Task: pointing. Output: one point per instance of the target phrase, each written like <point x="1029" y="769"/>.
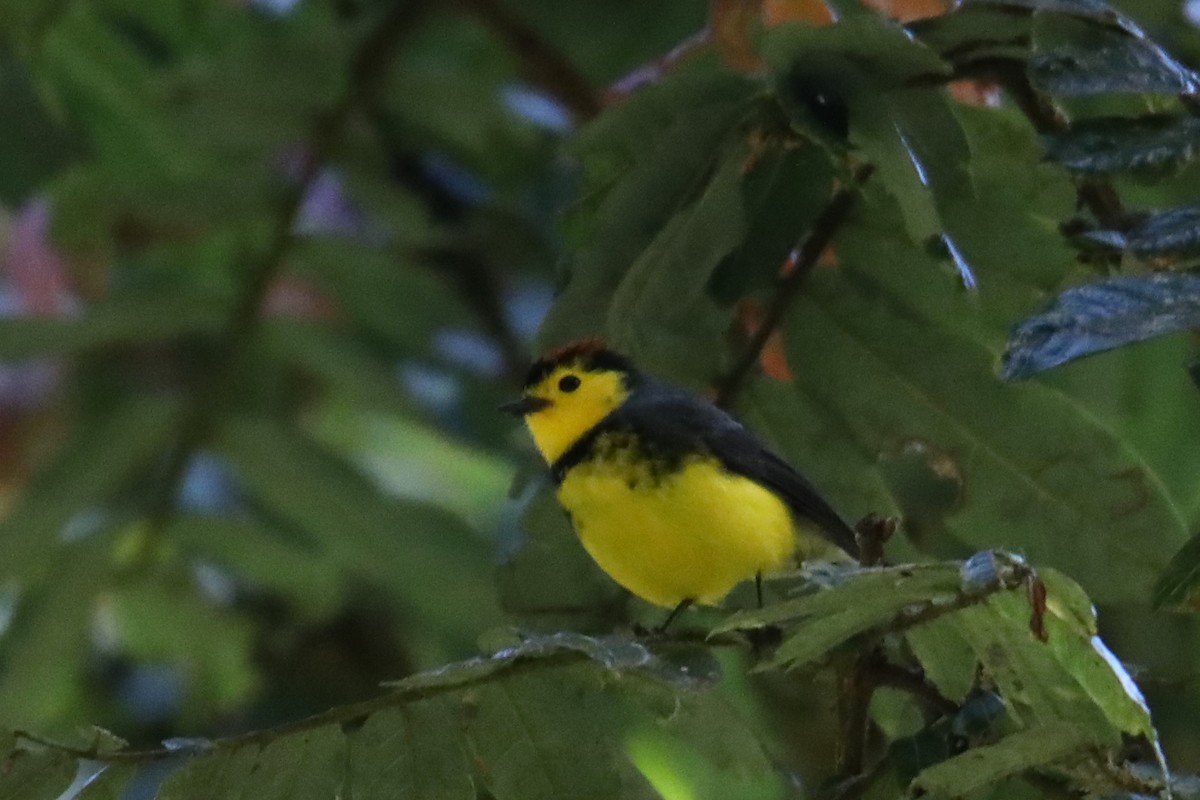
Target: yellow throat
<point x="571" y="414"/>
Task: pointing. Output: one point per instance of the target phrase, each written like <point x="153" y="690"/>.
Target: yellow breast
<point x="668" y="535"/>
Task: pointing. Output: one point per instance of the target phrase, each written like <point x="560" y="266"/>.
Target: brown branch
<point x="809" y="251"/>
<point x="367" y="72"/>
<point x="541" y="63"/>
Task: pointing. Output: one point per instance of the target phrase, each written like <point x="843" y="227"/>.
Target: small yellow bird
<point x="671" y="496"/>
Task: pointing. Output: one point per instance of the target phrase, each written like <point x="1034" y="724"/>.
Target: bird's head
<point x="569" y="390"/>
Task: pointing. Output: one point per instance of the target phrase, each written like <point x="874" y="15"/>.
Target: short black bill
<point x="526" y="405"/>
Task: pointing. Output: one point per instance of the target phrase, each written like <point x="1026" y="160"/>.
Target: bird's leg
<point x="767" y="636"/>
<point x="679" y="609"/>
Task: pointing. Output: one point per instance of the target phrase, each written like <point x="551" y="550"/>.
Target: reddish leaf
<point x="777" y="12"/>
<point x="976" y="93"/>
<point x="731" y="25"/>
<point x="297" y="297"/>
<point x="35" y="269"/>
<point x="773" y="358"/>
<point x="909" y="10"/>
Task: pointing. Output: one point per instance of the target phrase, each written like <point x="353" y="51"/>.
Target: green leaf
<point x="985" y="766"/>
<point x="862" y="53"/>
<point x="414" y="751"/>
<point x="862" y="600"/>
<point x="94" y="464"/>
<point x="696" y="750"/>
<point x="309" y="764"/>
<point x="216" y="658"/>
<point x="661" y="310"/>
<point x="395" y="299"/>
<point x="888" y="346"/>
<point x="521" y="733"/>
<point x="262" y="556"/>
<point x="27" y="774"/>
<point x="1073" y="58"/>
<point x="1115" y="144"/>
<point x="43" y="143"/>
<point x="43" y="653"/>
<point x="336" y="359"/>
<point x="1071" y="677"/>
<point x="909" y="134"/>
<point x="974" y="31"/>
<point x="1101" y="316"/>
<point x="415" y="460"/>
<point x="611" y="652"/>
<point x="785" y="186"/>
<point x="545" y="579"/>
<point x="1095" y="10"/>
<point x="511" y="724"/>
<point x="110" y="783"/>
<point x="1010" y="231"/>
<point x="1179" y="585"/>
<point x="101" y="80"/>
<point x="643" y="163"/>
<point x="819" y="446"/>
<point x="265" y="82"/>
<point x="422" y="556"/>
<point x="126" y="319"/>
<point x="918" y="148"/>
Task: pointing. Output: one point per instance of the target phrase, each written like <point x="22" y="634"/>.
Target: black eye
<point x="568" y="383"/>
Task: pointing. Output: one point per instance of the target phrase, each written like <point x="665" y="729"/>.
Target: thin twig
<point x="823" y="230"/>
<point x="367" y="72"/>
<point x="542" y="64"/>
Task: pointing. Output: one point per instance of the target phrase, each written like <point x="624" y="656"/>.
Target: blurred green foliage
<point x="270" y="267"/>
